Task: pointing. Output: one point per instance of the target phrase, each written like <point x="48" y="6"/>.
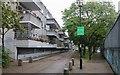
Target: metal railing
<point x="31" y="18"/>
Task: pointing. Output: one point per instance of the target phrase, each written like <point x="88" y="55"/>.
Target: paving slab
<point x="96" y="65"/>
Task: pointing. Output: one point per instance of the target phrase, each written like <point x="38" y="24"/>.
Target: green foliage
<point x="76" y="55"/>
<point x="97" y="18"/>
<point x="10" y="18"/>
<point x="5" y="59"/>
<point x="86" y="56"/>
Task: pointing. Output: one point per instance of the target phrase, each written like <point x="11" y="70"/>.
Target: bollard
<point x="30" y="60"/>
<point x="72" y="61"/>
<point x="66" y="71"/>
<point x="19" y="62"/>
<point x="80" y="63"/>
<point x="70" y="65"/>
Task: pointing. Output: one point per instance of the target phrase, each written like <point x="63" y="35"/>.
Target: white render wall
<point x="9" y="43"/>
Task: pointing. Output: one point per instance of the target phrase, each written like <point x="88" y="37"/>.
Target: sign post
<point x="80" y="32"/>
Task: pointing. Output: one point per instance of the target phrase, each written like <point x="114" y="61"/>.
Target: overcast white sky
<point x="56" y="6"/>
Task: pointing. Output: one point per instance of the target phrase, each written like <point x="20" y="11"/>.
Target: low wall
<point x="113" y="58"/>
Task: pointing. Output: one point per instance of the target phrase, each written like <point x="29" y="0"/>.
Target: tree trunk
<point x="79" y="49"/>
<point x="3" y="35"/>
<point x="94" y="47"/>
<point x="84" y="51"/>
<point x="90" y="52"/>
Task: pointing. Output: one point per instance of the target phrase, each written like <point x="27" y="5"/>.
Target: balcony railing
<point x="52" y="42"/>
<point x="30" y="4"/>
<point x="53" y="22"/>
<point x="31" y="18"/>
<point x="55" y="33"/>
<point x="26" y="36"/>
<point x="21" y="35"/>
<point x="60" y="32"/>
<point x="61" y="39"/>
<point x="52" y="33"/>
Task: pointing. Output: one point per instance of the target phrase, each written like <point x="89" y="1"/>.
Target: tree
<point x="97" y="18"/>
<point x="10" y="20"/>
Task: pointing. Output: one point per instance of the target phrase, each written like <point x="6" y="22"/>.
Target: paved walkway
<point x="96" y="65"/>
<point x="53" y="64"/>
<point x="57" y="63"/>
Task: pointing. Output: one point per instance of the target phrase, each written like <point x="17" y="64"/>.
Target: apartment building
<point x="42" y="33"/>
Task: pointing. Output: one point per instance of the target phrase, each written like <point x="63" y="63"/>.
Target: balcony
<point x="61" y="39"/>
<point x="33" y="44"/>
<point x="52" y="33"/>
<point x="61" y="36"/>
<point x="61" y="33"/>
<point x="31" y="18"/>
<point x="29" y="36"/>
<point x="28" y="40"/>
<point x="30" y="4"/>
<point x="21" y="35"/>
<point x="53" y="23"/>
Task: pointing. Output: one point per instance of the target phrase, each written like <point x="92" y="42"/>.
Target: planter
<point x="30" y="60"/>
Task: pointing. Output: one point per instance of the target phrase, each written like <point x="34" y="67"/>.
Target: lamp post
<point x="79" y="2"/>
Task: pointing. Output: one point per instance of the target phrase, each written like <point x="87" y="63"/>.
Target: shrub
<point x="5" y="59"/>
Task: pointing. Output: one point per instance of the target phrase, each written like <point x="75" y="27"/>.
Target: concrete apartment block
<point x="42" y="33"/>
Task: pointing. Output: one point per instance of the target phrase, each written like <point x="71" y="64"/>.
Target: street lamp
<point x="80" y="2"/>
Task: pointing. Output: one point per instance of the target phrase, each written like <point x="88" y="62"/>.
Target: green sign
<point x="80" y="30"/>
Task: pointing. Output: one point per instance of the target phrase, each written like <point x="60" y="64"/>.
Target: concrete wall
<point x="112" y="38"/>
<point x="9" y="43"/>
<point x="32" y="43"/>
<point x="112" y="47"/>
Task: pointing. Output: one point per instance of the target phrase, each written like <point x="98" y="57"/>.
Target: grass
<point x="76" y="55"/>
<point x="86" y="55"/>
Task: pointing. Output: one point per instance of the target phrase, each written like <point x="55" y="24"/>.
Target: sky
<point x="56" y="6"/>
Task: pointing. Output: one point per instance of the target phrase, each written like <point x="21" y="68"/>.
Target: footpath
<point x="56" y="64"/>
<point x="97" y="65"/>
<point x="50" y="65"/>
